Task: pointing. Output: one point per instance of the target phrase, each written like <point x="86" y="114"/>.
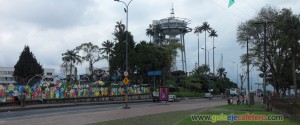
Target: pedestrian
<point x="22" y="99"/>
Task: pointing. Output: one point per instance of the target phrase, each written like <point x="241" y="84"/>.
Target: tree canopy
<point x="27" y="67"/>
<point x="282" y="45"/>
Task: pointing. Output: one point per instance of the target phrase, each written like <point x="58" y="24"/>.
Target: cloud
<point x="46" y="13"/>
<point x="51" y="27"/>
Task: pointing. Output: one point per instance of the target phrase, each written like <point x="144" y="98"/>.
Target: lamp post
<point x="209" y="69"/>
<point x="126" y="60"/>
<point x="126" y="11"/>
<point x="208" y="55"/>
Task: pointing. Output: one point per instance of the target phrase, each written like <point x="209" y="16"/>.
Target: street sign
<point x="126" y="97"/>
<point x="126" y="81"/>
<point x="125" y="73"/>
<point x="154" y="73"/>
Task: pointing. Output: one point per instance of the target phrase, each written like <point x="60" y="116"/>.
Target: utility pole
<point x="265" y="24"/>
<point x="248" y="98"/>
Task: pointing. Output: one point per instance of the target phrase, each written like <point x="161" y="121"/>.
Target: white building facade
<point x="6" y="75"/>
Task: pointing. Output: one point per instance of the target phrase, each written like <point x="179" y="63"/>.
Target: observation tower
<point x="172" y="29"/>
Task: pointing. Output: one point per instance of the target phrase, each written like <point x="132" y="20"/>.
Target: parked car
<point x="155" y="95"/>
<point x="172" y="98"/>
<point x="208" y="95"/>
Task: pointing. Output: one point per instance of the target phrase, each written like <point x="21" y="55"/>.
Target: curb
<point x="40" y="106"/>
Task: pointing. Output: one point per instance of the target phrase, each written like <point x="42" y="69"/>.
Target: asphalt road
<point x="65" y="111"/>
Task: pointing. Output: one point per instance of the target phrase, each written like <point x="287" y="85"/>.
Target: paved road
<point x="79" y="115"/>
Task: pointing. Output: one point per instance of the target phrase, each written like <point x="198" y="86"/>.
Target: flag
<point x="231" y="2"/>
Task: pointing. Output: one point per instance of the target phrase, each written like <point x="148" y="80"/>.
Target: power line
<point x="251" y="6"/>
<point x="226" y="9"/>
<point x="247" y="15"/>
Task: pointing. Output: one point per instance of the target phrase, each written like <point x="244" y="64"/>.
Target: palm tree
<point x="119" y="31"/>
<point x="197" y="30"/>
<point x="204" y="28"/>
<point x="71" y="56"/>
<point x="221" y="73"/>
<point x="107" y="48"/>
<point x="213" y="34"/>
<point x="150" y="32"/>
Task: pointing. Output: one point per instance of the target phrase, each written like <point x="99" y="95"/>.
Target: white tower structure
<point x="172" y="29"/>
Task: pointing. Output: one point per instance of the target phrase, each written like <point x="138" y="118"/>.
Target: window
<point x="49" y="74"/>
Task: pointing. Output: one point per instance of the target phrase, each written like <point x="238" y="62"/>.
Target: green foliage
<point x="69" y="58"/>
<point x="201" y="81"/>
<point x="91" y="54"/>
<point x="282" y="44"/>
<point x="107" y="48"/>
<point x="117" y="62"/>
<point x="27" y="67"/>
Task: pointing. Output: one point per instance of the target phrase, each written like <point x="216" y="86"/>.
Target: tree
<point x="197" y="31"/>
<point x="281" y="39"/>
<point x="221" y="73"/>
<point x="213" y="34"/>
<point x="107" y="49"/>
<point x="289" y="28"/>
<point x="71" y="57"/>
<point x="204" y="28"/>
<point x="91" y="54"/>
<point x="118" y="56"/>
<point x="147" y="59"/>
<point x="166" y="56"/>
<point x="150" y="32"/>
<point x="27" y="67"/>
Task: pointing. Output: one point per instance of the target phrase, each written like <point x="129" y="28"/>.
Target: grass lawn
<point x="168" y="118"/>
<point x="184" y="117"/>
<point x="237" y="110"/>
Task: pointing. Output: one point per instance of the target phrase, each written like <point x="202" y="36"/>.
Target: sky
<point x="51" y="27"/>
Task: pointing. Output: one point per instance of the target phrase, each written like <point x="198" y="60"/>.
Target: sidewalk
<point x="100" y="116"/>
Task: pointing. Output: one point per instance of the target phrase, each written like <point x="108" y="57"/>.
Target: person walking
<point x="22" y="99"/>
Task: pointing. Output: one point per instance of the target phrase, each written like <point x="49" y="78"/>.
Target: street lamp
<point x="126" y="60"/>
<point x="126" y="11"/>
<point x="208" y="55"/>
<point x="209" y="69"/>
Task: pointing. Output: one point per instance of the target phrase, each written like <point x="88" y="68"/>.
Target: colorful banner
<point x="61" y="90"/>
<point x="163" y="93"/>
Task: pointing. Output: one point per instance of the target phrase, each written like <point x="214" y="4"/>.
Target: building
<point x="172" y="29"/>
<point x="6" y="75"/>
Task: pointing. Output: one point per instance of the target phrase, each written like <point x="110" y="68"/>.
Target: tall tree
<point x="213" y="34"/>
<point x="197" y="31"/>
<point x="91" y="54"/>
<point x="204" y="28"/>
<point x="150" y="32"/>
<point x="289" y="26"/>
<point x="27" y="67"/>
<point x="71" y="57"/>
<point x="118" y="56"/>
<point x="107" y="48"/>
<point x="278" y="43"/>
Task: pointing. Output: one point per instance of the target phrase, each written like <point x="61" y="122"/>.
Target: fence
<point x="10" y="93"/>
<point x="288" y="105"/>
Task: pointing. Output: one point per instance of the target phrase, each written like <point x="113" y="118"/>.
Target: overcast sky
<point x="51" y="27"/>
